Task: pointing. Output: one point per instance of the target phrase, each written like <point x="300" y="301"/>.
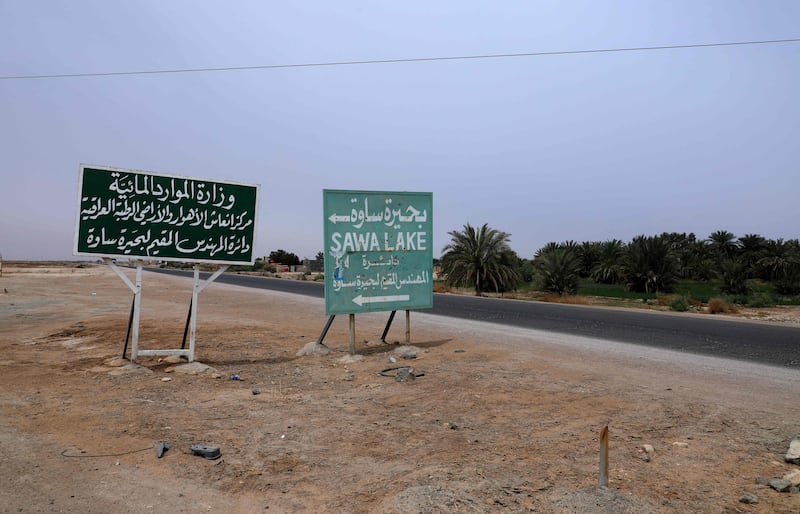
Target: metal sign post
<point x="408" y="327"/>
<point x="197" y="288"/>
<point x="352" y="334"/>
<point x="136" y="289"/>
<point x="388" y="324"/>
<point x="133" y="325"/>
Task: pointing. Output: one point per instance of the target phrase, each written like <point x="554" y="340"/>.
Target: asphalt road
<point x="751" y="341"/>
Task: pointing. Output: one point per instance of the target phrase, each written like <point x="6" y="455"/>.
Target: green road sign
<point x="378" y="251"/>
<point x="128" y="213"/>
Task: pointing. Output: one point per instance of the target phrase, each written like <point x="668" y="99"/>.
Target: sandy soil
<point x="503" y="420"/>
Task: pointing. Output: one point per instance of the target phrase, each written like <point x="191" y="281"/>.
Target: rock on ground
<point x="780" y="484"/>
<point x="601" y="500"/>
<point x="749" y="498"/>
<point x="194" y="368"/>
<point x="793" y="477"/>
<point x="434" y="499"/>
<point x="313" y="348"/>
<point x="793" y="454"/>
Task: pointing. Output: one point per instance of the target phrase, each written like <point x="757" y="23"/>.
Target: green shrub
<point x="738" y="299"/>
<point x="759" y="300"/>
<point x="679" y="304"/>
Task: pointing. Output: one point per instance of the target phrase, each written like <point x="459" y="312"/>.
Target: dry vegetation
<point x="720" y="306"/>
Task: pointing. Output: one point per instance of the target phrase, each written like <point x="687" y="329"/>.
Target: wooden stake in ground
<point x="603" y="482"/>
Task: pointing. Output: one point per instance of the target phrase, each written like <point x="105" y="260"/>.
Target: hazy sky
<point x="549" y="148"/>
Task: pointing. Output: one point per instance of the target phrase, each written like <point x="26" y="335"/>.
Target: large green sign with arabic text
<point x="378" y="251"/>
<point x="138" y="214"/>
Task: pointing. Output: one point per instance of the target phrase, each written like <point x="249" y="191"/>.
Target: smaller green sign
<point x="378" y="251"/>
<point x="128" y="213"/>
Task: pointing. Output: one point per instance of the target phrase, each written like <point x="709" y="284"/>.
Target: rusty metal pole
<point x="326" y="328"/>
<point x="186" y="326"/>
<point x="603" y="482"/>
<point x="352" y="334"/>
<point x="408" y="327"/>
<point x="128" y="332"/>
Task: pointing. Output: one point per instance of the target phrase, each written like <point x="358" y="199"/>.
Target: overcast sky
<point x="547" y="148"/>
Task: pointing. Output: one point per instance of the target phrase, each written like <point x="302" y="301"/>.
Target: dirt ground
<point x="501" y="420"/>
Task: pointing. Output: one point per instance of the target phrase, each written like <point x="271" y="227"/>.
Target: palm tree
<point x="733" y="274"/>
<point x="778" y="258"/>
<point x="682" y="245"/>
<point x="608" y="269"/>
<point x="700" y="261"/>
<point x="724" y="243"/>
<point x="649" y="265"/>
<point x="589" y="253"/>
<point x="559" y="268"/>
<point x="751" y="250"/>
<point x="552" y="245"/>
<point x="781" y="263"/>
<point x="480" y="257"/>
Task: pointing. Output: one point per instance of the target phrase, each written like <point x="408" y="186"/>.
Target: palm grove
<point x="481" y="258"/>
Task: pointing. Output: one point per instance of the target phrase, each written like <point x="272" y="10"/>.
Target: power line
<point x="395" y="61"/>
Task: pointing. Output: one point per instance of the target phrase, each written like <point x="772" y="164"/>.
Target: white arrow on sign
<point x="334" y="218"/>
<point x="361" y="300"/>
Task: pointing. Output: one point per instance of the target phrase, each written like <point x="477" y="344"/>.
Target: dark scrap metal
<point x="209" y="452"/>
<point x="400" y="372"/>
<point x="161" y="448"/>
